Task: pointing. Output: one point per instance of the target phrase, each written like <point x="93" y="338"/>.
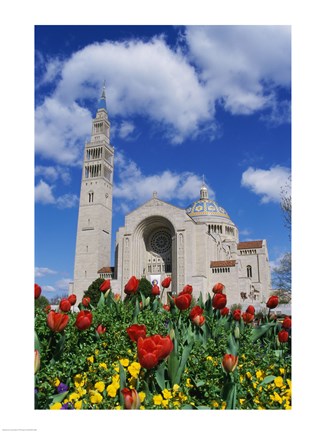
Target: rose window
<point x="161" y="242"/>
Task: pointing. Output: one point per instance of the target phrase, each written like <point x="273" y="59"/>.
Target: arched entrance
<point x="154" y="246"/>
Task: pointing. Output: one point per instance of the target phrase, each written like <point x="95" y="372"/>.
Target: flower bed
<point x="141" y="354"/>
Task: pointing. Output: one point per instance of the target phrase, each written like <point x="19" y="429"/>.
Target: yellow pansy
<point x="241" y="401"/>
<point x="73" y="396"/>
<point x="100" y="386"/>
<point x="142" y="407"/>
<point x="97" y="352"/>
<point x="210" y="358"/>
<point x="90" y="359"/>
<point x="276" y="397"/>
<point x="56" y="382"/>
<point x="117" y="407"/>
<point x="249" y="375"/>
<point x="103" y="365"/>
<point x="188" y="383"/>
<point x="80" y="380"/>
<point x="165" y="403"/>
<point x="124" y="362"/>
<point x="56" y="406"/>
<point x="142" y="396"/>
<point x="95" y="397"/>
<point x="81" y="391"/>
<point x="78" y="405"/>
<point x="278" y="381"/>
<point x="223" y="405"/>
<point x="167" y="394"/>
<point x="176" y="404"/>
<point x="182" y="396"/>
<point x="259" y="374"/>
<point x="157" y="399"/>
<point x="134" y="369"/>
<point x="282" y="371"/>
<point x="175" y="388"/>
<point x="215" y="404"/>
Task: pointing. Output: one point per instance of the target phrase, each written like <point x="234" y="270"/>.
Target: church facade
<point x="198" y="245"/>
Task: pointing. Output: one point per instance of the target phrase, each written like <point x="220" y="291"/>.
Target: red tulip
<point x="229" y="362"/>
<point x="183" y="301"/>
<point x="272" y="302"/>
<point x="286" y="324"/>
<point x="218" y="288"/>
<point x="224" y="311"/>
<point x="155" y="290"/>
<point x="72" y="299"/>
<point x="47" y="308"/>
<point x="105" y="286"/>
<point x="136" y="331"/>
<point x="166" y="282"/>
<point x="153" y="349"/>
<point x="65" y="305"/>
<point x="83" y="320"/>
<point x="196" y="316"/>
<point x="117" y="297"/>
<point x="196" y="310"/>
<point x="186" y="290"/>
<point x="38" y="291"/>
<point x="247" y="317"/>
<point x="131" y="398"/>
<point x="86" y="301"/>
<point x="100" y="329"/>
<point x="219" y="301"/>
<point x="57" y="321"/>
<point x="166" y="307"/>
<point x="250" y="309"/>
<point x="236" y="314"/>
<point x="132" y="286"/>
<point x="283" y="336"/>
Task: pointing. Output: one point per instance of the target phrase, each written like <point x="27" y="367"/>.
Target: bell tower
<point x="93" y="243"/>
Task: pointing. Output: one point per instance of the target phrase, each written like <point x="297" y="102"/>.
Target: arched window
<point x="249" y="271"/>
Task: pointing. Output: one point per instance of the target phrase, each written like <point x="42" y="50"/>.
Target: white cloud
<point x="43" y="271"/>
<point x="238" y="63"/>
<point x="53" y="173"/>
<point x="267" y="183"/>
<point x="134" y="186"/>
<point x="48" y="288"/>
<point x="238" y="66"/>
<point x="44" y="195"/>
<point x="61" y="130"/>
<point x="126" y="129"/>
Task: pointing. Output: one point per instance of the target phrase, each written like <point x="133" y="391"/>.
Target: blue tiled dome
<point x="206" y="209"/>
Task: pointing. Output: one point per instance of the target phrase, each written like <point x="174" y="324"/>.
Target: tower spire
<point x="102" y="100"/>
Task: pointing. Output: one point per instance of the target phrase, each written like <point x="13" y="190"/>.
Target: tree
<point x="281" y="277"/>
<point x="94" y="292"/>
<point x="41" y="302"/>
<point x="286" y="203"/>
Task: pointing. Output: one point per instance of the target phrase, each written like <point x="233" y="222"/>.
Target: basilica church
<point x="198" y="245"/>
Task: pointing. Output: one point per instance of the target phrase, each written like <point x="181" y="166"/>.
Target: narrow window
<point x="249" y="271"/>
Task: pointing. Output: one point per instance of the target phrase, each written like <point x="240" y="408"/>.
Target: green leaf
<point x="260" y="331"/>
<point x="173" y="365"/>
<point x="232" y="345"/>
<point x="122" y="383"/>
<point x="268" y="379"/>
<point x="203" y="407"/>
<point x="187" y="407"/>
<point x="59" y="397"/>
<point x="136" y="311"/>
<point x="184" y="357"/>
<point x="160" y="375"/>
<point x="101" y="301"/>
<point x="36" y="342"/>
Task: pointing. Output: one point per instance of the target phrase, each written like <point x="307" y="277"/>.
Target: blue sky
<point x="183" y="102"/>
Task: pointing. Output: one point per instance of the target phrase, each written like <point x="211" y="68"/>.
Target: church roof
<point x="106" y="270"/>
<point x="206" y="208"/>
<point x="250" y="244"/>
<point x="227" y="263"/>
